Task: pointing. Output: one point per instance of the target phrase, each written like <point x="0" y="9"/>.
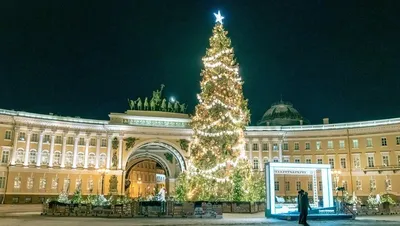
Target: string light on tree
<point x="217" y="149"/>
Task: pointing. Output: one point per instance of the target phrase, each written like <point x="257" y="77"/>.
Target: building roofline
<point x="334" y="126"/>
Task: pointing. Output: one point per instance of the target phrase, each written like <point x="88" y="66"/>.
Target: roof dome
<point x="282" y="114"/>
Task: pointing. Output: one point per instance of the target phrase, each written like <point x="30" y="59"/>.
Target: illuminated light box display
<point x="320" y="173"/>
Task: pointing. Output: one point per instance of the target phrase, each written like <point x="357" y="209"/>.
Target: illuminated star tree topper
<point x="218" y="17"/>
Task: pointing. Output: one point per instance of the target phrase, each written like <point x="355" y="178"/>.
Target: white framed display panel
<point x="276" y="168"/>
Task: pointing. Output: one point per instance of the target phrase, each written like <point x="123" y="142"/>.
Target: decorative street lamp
<point x="102" y="172"/>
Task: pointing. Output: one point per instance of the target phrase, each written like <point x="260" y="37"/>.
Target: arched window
<point x="57" y="158"/>
<point x="102" y="160"/>
<point x="32" y="157"/>
<point x="20" y="156"/>
<point x="92" y="160"/>
<point x="276" y="159"/>
<point x="255" y="163"/>
<point x="45" y="157"/>
<point x="265" y="160"/>
<point x="81" y="159"/>
<point x="68" y="158"/>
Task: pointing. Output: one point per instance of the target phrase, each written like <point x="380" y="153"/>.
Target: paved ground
<point x="22" y="215"/>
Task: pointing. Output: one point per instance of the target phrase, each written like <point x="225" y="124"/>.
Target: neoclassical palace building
<point x="137" y="152"/>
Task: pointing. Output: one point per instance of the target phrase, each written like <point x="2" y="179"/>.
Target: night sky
<point x="336" y="59"/>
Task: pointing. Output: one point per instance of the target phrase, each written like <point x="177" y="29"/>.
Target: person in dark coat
<point x="304" y="206"/>
<point x="299" y="196"/>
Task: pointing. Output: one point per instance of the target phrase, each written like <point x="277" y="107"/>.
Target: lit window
<point x="70" y="140"/>
<point x="58" y="140"/>
<point x="103" y="142"/>
<point x="286" y="159"/>
<point x="265" y="146"/>
<point x="255" y="147"/>
<point x="385" y="160"/>
<point x="359" y="185"/>
<point x="296" y="160"/>
<point x="287" y="185"/>
<point x="318" y="145"/>
<point x="81" y="141"/>
<point x="265" y="159"/>
<point x="46" y="138"/>
<point x="7" y="135"/>
<point x="341" y="144"/>
<point x="384" y="141"/>
<point x="343" y="163"/>
<point x="310" y="186"/>
<point x="5" y="156"/>
<point x="275" y="146"/>
<point x="308" y="146"/>
<point x="2" y="182"/>
<point x="34" y="137"/>
<point x="355" y="143"/>
<point x="92" y="142"/>
<point x="308" y="161"/>
<point x="32" y="157"/>
<point x="319" y="161"/>
<point x="21" y="136"/>
<point x="331" y="162"/>
<point x="276" y="159"/>
<point x="285" y="146"/>
<point x="255" y="163"/>
<point x="369" y="142"/>
<point x="296" y="146"/>
<point x="276" y="185"/>
<point x="298" y="185"/>
<point x="330" y="144"/>
<point x="371" y="161"/>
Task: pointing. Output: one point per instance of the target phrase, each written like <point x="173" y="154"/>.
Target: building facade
<point x="42" y="155"/>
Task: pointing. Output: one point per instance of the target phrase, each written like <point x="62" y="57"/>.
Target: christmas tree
<point x="218" y="168"/>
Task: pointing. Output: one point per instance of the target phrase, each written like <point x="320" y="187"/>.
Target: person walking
<point x="299" y="196"/>
<point x="304" y="206"/>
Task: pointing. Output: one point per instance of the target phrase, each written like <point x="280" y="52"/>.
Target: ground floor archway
<point x="150" y="167"/>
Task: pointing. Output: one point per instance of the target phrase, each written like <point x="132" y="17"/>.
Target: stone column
<point x="260" y="157"/>
<point x="270" y="151"/>
<point x="251" y="153"/>
<point x="53" y="136"/>
<point x="98" y="141"/>
<point x="15" y="144"/>
<point x="86" y="152"/>
<point x="64" y="146"/>
<point x="28" y="141"/>
<point x="109" y="151"/>
<point x="280" y="151"/>
<point x="121" y="138"/>
<point x="75" y="158"/>
<point x="39" y="155"/>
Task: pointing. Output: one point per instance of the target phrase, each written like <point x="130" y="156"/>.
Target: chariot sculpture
<point x="157" y="103"/>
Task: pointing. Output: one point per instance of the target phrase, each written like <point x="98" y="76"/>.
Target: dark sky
<point x="336" y="59"/>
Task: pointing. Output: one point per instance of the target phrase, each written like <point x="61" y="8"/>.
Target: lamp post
<point x="139" y="184"/>
<point x="336" y="174"/>
<point x="102" y="172"/>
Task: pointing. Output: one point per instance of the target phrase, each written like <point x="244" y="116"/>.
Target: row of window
<point x="331" y="161"/>
<point x="57" y="157"/>
<point x="34" y="137"/>
<point x="318" y="145"/>
<point x="372" y="185"/>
